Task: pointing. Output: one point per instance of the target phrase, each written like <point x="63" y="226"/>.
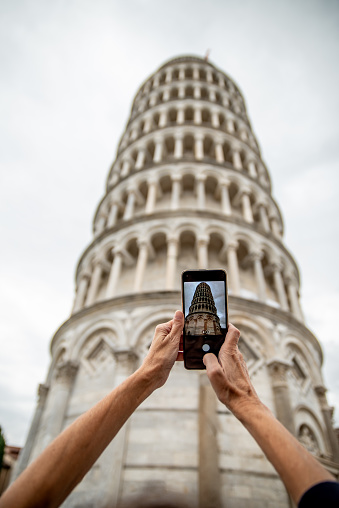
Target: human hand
<point x="229" y="376"/>
<point x="164" y="350"/>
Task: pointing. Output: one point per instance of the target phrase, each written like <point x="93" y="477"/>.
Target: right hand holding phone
<point x="229" y="376"/>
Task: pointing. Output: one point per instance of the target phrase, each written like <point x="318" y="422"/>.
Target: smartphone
<point x="204" y="301"/>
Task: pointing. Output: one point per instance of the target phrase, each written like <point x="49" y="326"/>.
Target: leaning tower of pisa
<point x="188" y="189"/>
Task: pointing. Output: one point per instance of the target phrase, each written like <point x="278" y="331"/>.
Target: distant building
<point x="188" y="189"/>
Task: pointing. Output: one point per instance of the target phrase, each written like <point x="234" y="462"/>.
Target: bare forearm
<point x="53" y="475"/>
<point x="298" y="469"/>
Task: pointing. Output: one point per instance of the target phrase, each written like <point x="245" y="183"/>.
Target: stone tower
<point x="203" y="313"/>
<point x="188" y="189"/>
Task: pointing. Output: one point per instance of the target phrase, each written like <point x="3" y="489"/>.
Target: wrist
<point x="249" y="411"/>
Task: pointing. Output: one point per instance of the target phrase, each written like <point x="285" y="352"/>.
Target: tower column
<point x="163" y="118"/>
<point x="125" y="168"/>
<point x="246" y="206"/>
<point x="225" y="198"/>
<point x="178" y="146"/>
<point x="129" y="209"/>
<point x="236" y="159"/>
<point x="114" y="274"/>
<point x="252" y="169"/>
<point x="202" y="244"/>
<point x="327" y="412"/>
<point x="275" y="227"/>
<point x="151" y="195"/>
<point x="230" y="125"/>
<point x="81" y="291"/>
<point x="219" y="152"/>
<point x="172" y="256"/>
<point x="199" y="146"/>
<point x="94" y="283"/>
<point x="197" y="116"/>
<point x="264" y="218"/>
<point x="279" y="285"/>
<point x="259" y="275"/>
<point x="158" y="150"/>
<point x="140" y="162"/>
<point x="233" y="268"/>
<point x="176" y="188"/>
<point x="200" y="182"/>
<point x="141" y="266"/>
<point x="100" y="225"/>
<point x="215" y="119"/>
<point x="180" y="115"/>
<point x="278" y="370"/>
<point x="292" y="288"/>
<point x="113" y="215"/>
<point x="56" y="406"/>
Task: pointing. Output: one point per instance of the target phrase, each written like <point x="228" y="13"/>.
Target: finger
<point x="210" y="361"/>
<point x="231" y="340"/>
<point x="177" y="325"/>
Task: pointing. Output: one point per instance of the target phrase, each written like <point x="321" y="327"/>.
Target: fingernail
<point x="178" y="315"/>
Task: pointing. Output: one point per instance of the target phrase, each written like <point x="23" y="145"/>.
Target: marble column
<point x="151" y="195"/>
<point x="100" y="225"/>
<point x="168" y="77"/>
<point x="209" y="473"/>
<point x="233" y="268"/>
<point x="278" y="373"/>
<point x="199" y="146"/>
<point x="212" y="95"/>
<point x="32" y="434"/>
<point x="225" y="197"/>
<point x="327" y="412"/>
<point x="178" y="146"/>
<point x="176" y="190"/>
<point x="275" y="227"/>
<point x="202" y="244"/>
<point x="200" y="183"/>
<point x="252" y="169"/>
<point x="125" y="169"/>
<point x="197" y="116"/>
<point x="163" y="118"/>
<point x="180" y="116"/>
<point x="181" y="92"/>
<point x="259" y="275"/>
<point x="219" y="152"/>
<point x="166" y="95"/>
<point x="126" y="361"/>
<point x="81" y="291"/>
<point x="158" y="150"/>
<point x="236" y="159"/>
<point x="94" y="283"/>
<point x="279" y="285"/>
<point x="129" y="208"/>
<point x="148" y="124"/>
<point x="215" y="119"/>
<point x="197" y="92"/>
<point x="230" y="125"/>
<point x="246" y="206"/>
<point x="141" y="266"/>
<point x="172" y="256"/>
<point x="114" y="274"/>
<point x="113" y="214"/>
<point x="292" y="288"/>
<point x="140" y="158"/>
<point x="264" y="218"/>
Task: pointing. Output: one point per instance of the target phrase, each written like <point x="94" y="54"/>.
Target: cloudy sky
<point x="69" y="71"/>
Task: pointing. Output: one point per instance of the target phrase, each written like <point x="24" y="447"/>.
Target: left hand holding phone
<point x="165" y="349"/>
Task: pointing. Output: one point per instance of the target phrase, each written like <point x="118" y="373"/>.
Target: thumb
<point x="178" y="324"/>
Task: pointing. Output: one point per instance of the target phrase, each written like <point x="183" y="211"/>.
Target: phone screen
<point x="206" y="315"/>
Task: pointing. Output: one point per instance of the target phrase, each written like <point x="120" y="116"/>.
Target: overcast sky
<point x="69" y="71"/>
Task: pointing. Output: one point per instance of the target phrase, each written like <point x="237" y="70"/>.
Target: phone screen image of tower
<point x="205" y="319"/>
